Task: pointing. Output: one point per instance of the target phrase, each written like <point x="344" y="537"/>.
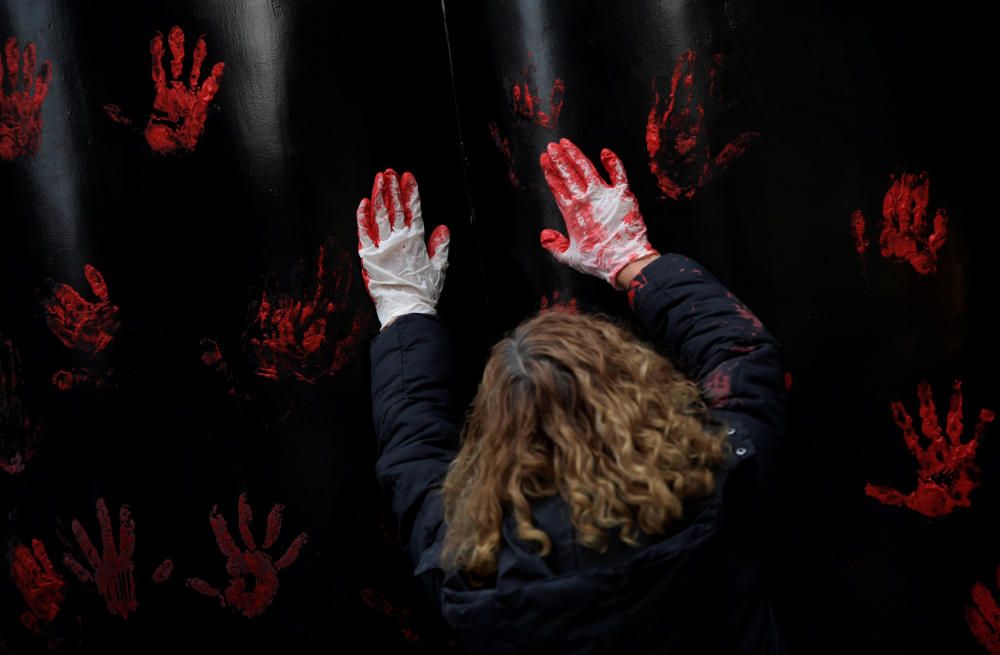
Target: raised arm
<point x="413" y="406"/>
<point x="715" y="339"/>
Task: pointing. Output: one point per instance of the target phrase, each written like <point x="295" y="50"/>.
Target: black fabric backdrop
<point x="316" y="97"/>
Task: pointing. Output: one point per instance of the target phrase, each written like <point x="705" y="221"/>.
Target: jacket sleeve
<point x="723" y="347"/>
<point x="417" y="425"/>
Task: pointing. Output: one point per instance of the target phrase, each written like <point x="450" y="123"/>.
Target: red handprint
<point x="304" y="339"/>
<point x="42" y="588"/>
<point x="179" y="111"/>
<point x="528" y="107"/>
<point x="680" y="156"/>
<point x="906" y="233"/>
<point x="947" y="470"/>
<point x="21" y="111"/>
<point x="983" y="617"/>
<point x="18" y="433"/>
<point x="553" y="302"/>
<point x="112" y="571"/>
<point x="250" y="597"/>
<point x="79" y="323"/>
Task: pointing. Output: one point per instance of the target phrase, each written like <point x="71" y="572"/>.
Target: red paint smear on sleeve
<point x="947" y="471"/>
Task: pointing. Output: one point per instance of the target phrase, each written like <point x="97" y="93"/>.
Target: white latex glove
<point x="401" y="274"/>
<point x="606" y="230"/>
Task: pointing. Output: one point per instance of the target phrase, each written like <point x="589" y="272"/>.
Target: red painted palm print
<point x="111" y="569"/>
<point x="22" y="91"/>
<point x="529" y="106"/>
<point x="180" y="108"/>
<point x="314" y="334"/>
<point x="946" y="466"/>
<point x="19" y="433"/>
<point x="680" y="154"/>
<point x="907" y="233"/>
<point x="81" y="324"/>
<point x="253" y="575"/>
<point x="41" y="586"/>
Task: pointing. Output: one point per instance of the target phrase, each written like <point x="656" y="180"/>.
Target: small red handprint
<point x="41" y="586"/>
<point x="906" y="233"/>
<point x="19" y="434"/>
<point x="112" y="570"/>
<point x="21" y="110"/>
<point x="947" y="470"/>
<point x="554" y="302"/>
<point x="77" y="322"/>
<point x="253" y="576"/>
<point x="179" y="110"/>
<point x="680" y="155"/>
<point x="527" y="106"/>
<point x="983" y="617"/>
<point x="306" y="338"/>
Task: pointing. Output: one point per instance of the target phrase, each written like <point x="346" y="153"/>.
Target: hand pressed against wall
<point x="401" y="273"/>
<point x="21" y="109"/>
<point x="606" y="231"/>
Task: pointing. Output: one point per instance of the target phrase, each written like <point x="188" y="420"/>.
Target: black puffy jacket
<point x="695" y="590"/>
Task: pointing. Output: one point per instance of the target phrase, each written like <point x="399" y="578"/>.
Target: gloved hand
<point x="402" y="276"/>
<point x="606" y="230"/>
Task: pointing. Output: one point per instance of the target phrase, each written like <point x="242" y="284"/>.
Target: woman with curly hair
<point x="596" y="498"/>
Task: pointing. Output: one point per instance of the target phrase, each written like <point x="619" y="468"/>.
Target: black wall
<point x="829" y="100"/>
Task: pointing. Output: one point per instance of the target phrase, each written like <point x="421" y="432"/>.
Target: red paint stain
<point x="637" y="283"/>
<point x="78" y="323"/>
<point x="19" y="433"/>
<point x="179" y="109"/>
<point x="528" y="106"/>
<point x="680" y="155"/>
<point x="745" y="313"/>
<point x="946" y="467"/>
<point x="163" y="571"/>
<point x="983" y="617"/>
<point x="112" y="570"/>
<point x="253" y="576"/>
<point x="554" y="302"/>
<point x="907" y="234"/>
<point x="400" y="615"/>
<point x="22" y="93"/>
<point x="115" y="113"/>
<point x="64" y="380"/>
<point x="305" y="337"/>
<point x="788" y="381"/>
<point x="41" y="586"/>
<point x="717" y="387"/>
<point x="503" y="147"/>
<point x="858" y="232"/>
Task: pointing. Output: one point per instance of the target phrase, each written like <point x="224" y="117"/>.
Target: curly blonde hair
<point x="576" y="405"/>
